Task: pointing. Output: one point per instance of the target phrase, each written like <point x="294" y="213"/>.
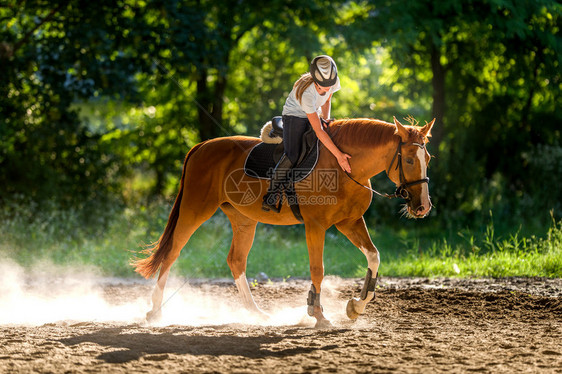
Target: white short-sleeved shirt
<point x="310" y="103"/>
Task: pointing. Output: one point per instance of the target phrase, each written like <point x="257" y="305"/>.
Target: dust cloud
<point x="46" y="293"/>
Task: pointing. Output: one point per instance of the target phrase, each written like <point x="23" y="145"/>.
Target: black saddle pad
<point x="263" y="157"/>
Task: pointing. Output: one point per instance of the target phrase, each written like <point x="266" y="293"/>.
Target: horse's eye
<point x="410" y="161"/>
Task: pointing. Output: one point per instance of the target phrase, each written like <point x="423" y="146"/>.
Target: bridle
<point x="401" y="191"/>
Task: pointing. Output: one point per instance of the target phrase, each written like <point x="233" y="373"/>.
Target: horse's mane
<point x="362" y="131"/>
<point x="367" y="132"/>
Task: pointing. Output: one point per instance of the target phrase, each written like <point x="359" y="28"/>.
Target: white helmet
<point x="324" y="71"/>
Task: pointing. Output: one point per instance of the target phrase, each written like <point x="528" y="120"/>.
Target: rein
<point x="401" y="191"/>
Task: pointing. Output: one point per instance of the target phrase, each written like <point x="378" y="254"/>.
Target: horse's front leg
<point x="356" y="232"/>
<point x="315" y="235"/>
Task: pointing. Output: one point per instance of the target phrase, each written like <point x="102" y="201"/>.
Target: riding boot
<point x="274" y="196"/>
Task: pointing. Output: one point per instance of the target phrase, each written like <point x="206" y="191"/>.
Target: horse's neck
<point x="370" y="162"/>
<point x="369" y="158"/>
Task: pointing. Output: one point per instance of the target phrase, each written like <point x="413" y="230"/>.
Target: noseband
<point x="401" y="191"/>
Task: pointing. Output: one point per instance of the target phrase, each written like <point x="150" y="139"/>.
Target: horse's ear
<point x="426" y="130"/>
<point x="401" y="130"/>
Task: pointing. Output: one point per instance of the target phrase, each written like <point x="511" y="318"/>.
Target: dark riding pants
<point x="293" y="131"/>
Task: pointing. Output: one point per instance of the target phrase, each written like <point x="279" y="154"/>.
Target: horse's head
<point x="408" y="168"/>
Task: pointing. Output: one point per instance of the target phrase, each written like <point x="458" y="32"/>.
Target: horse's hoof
<point x="323" y="324"/>
<point x="350" y="310"/>
<point x="153" y="316"/>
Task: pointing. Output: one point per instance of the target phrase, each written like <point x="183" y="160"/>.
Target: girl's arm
<point x="327" y="141"/>
<point x="326" y="108"/>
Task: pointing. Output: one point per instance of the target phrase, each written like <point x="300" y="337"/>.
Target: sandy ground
<point x="414" y="326"/>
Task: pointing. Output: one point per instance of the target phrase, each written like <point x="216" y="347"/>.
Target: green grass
<point x="278" y="251"/>
<point x="489" y="256"/>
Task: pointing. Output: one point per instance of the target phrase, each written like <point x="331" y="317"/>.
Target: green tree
<point x="52" y="56"/>
<point x="199" y="40"/>
<point x="491" y="71"/>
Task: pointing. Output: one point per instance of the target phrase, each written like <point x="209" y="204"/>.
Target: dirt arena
<point x="415" y="326"/>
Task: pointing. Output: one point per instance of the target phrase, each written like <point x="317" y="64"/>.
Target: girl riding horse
<point x="310" y="98"/>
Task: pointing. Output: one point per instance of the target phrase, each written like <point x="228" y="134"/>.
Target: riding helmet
<point x="324" y="71"/>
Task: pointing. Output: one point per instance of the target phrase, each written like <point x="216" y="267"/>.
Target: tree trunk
<point x="438" y="82"/>
<point x="204" y="107"/>
<point x="210" y="107"/>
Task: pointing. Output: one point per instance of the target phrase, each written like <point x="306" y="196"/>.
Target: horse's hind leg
<point x="243" y="232"/>
<point x="356" y="231"/>
<point x="188" y="222"/>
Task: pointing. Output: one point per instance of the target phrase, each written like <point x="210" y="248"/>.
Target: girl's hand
<point x="343" y="161"/>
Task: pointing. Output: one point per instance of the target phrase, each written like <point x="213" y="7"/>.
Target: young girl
<point x="310" y="98"/>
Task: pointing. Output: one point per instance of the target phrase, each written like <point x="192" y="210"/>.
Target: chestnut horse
<point x="213" y="178"/>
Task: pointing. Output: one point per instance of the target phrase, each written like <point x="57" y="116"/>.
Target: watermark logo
<point x="242" y="189"/>
<point x="318" y="188"/>
<point x="322" y="181"/>
<point x="316" y="200"/>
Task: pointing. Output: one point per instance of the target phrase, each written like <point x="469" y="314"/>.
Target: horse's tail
<point x="158" y="251"/>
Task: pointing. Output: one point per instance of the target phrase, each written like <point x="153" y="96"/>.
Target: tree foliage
<point x="53" y="55"/>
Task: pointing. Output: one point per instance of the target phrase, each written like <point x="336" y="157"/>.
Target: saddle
<point x="264" y="156"/>
<point x="276" y="127"/>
